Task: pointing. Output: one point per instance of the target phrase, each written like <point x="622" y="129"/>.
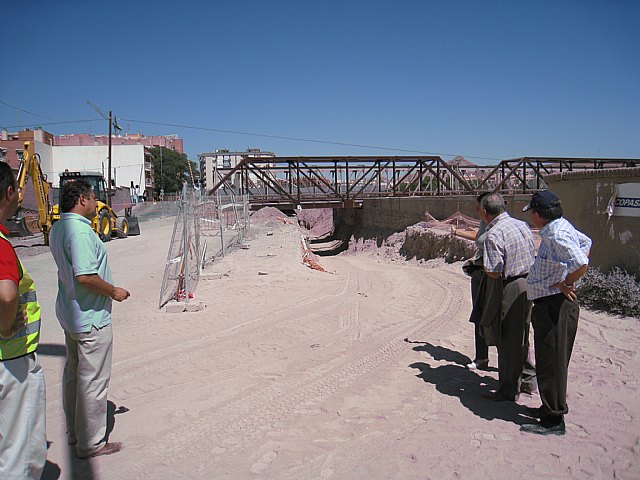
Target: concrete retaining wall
<point x="585" y="196"/>
<point x="381" y="217"/>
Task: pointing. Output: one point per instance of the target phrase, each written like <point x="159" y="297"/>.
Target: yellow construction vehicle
<point x="30" y="168"/>
<point x="106" y="223"/>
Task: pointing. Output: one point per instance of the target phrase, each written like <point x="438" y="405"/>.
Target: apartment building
<point x="131" y="160"/>
<point x="223" y="160"/>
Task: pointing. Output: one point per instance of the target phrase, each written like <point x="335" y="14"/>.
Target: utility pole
<point x="161" y="176"/>
<point x="110" y="119"/>
<point x="109" y="176"/>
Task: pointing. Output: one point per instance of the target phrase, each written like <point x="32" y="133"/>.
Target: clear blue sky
<point x="483" y="79"/>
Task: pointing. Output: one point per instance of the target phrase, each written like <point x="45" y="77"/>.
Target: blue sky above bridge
<point x="487" y="80"/>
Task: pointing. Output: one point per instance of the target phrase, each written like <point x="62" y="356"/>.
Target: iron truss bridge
<point x="344" y="182"/>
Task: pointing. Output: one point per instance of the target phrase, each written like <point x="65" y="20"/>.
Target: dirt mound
<point x="424" y="241"/>
<point x="457" y="220"/>
<point x="270" y="217"/>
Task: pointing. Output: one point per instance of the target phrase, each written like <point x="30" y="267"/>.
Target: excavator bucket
<point x="134" y="226"/>
<point x="132" y="222"/>
<point x="17" y="227"/>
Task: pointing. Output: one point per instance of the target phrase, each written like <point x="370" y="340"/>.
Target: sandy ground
<point x="298" y="374"/>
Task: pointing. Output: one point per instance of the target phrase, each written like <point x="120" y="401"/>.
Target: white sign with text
<point x="627" y="200"/>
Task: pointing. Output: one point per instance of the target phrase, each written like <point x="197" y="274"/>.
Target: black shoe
<point x="544" y="428"/>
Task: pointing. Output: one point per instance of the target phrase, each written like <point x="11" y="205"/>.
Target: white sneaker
<point x="478" y="364"/>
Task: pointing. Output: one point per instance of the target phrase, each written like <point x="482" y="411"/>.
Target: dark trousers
<point x="555" y="323"/>
<point x="482" y="350"/>
<point x="515" y="369"/>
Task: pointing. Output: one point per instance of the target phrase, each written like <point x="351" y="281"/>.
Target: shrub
<point x="614" y="292"/>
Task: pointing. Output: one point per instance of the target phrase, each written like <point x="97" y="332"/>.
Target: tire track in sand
<point x="253" y="412"/>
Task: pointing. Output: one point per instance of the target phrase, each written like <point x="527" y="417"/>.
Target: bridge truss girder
<point x="346" y="181"/>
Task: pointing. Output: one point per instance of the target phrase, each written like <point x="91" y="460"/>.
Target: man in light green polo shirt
<point x="83" y="308"/>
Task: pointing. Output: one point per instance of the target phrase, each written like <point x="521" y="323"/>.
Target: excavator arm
<point x="30" y="169"/>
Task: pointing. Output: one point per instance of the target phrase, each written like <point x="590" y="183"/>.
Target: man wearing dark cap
<point x="562" y="259"/>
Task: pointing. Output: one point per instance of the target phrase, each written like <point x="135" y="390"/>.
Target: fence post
<point x="221" y="228"/>
<point x="185" y="243"/>
<point x="247" y="221"/>
<point x="197" y="215"/>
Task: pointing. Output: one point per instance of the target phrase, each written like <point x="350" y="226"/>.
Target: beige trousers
<point x="23" y="442"/>
<point x="85" y="382"/>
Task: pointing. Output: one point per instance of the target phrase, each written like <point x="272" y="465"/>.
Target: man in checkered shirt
<point x="562" y="259"/>
<point x="508" y="256"/>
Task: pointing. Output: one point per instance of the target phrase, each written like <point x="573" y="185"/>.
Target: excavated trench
<point x="425" y="240"/>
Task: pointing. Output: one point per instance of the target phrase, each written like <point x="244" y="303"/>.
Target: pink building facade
<point x="132" y="161"/>
<point x="171" y="142"/>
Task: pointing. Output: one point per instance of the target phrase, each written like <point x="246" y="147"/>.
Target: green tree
<point x="172" y="170"/>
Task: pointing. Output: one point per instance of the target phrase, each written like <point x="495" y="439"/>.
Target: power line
<point x="311" y="140"/>
<point x="54" y="123"/>
<point x="262" y="135"/>
<point x="23" y="110"/>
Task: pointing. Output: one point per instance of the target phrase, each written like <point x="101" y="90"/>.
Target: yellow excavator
<point x="30" y="168"/>
<point x="106" y="223"/>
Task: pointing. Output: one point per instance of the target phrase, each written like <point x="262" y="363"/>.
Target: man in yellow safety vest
<point x="23" y="442"/>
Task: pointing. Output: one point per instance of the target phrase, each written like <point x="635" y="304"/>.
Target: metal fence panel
<point x="206" y="227"/>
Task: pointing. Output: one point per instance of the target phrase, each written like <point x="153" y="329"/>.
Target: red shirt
<point x="8" y="262"/>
